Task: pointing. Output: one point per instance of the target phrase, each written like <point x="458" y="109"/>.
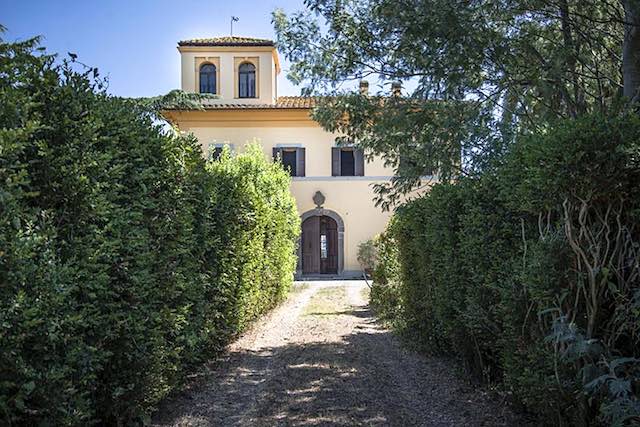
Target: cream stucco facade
<point x="276" y="124"/>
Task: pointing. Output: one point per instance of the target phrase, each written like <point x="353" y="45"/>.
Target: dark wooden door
<point x="319" y="245"/>
<point x="311" y="245"/>
<point x="328" y="245"/>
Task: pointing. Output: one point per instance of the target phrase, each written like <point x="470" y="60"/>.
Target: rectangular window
<point x="216" y="149"/>
<point x="289" y="161"/>
<point x="292" y="159"/>
<point x="215" y="153"/>
<point x="347" y="161"/>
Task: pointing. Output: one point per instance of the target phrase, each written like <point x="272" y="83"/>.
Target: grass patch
<point x="327" y="301"/>
<point x="298" y="287"/>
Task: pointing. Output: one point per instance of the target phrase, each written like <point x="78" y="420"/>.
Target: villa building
<point x="332" y="185"/>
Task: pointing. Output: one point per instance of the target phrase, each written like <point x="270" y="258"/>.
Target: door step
<point x="346" y="275"/>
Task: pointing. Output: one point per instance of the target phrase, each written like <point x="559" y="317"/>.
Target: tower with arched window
<point x="230" y="69"/>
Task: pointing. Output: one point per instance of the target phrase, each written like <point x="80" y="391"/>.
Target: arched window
<point x="247" y="80"/>
<point x="208" y="78"/>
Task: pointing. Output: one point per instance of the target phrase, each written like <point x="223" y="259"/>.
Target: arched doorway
<point x="322" y="243"/>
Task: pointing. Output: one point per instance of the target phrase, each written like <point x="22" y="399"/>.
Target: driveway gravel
<point x="321" y="359"/>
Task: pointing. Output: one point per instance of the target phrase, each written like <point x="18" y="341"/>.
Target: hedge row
<point x="125" y="258"/>
<point x="530" y="273"/>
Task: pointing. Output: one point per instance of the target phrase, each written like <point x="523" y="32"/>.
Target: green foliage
<point x="529" y="273"/>
<point x="177" y="100"/>
<point x="257" y="223"/>
<point x="436" y="131"/>
<point x="477" y="73"/>
<point x="125" y="259"/>
<point x="385" y="292"/>
<point x="367" y="255"/>
<point x="423" y="220"/>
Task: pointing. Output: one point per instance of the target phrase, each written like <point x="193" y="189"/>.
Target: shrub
<point x="367" y="256"/>
<point x="529" y="272"/>
<point x="125" y="259"/>
<point x="256" y="228"/>
<point x="430" y="281"/>
<point x="385" y="291"/>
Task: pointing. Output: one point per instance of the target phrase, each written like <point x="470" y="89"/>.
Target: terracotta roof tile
<point x="226" y="41"/>
<point x="283" y="102"/>
<point x="296" y="102"/>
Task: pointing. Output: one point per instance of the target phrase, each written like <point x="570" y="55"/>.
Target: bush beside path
<point x="126" y="258"/>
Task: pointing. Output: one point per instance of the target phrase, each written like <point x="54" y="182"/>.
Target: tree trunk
<point x="575" y="105"/>
<point x="631" y="51"/>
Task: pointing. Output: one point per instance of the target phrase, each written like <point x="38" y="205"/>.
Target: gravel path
<point x="321" y="359"/>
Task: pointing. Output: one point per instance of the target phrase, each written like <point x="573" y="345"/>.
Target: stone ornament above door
<point x="318" y="199"/>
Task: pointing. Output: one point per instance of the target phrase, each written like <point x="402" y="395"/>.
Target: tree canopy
<point x="479" y="72"/>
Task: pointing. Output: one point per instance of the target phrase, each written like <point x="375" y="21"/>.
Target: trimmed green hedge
<point x="125" y="258"/>
<point x="530" y="273"/>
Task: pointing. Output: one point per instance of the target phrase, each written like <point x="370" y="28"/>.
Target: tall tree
<point x="479" y="72"/>
<point x="631" y="51"/>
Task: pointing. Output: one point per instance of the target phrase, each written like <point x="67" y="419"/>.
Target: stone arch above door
<point x="338" y="219"/>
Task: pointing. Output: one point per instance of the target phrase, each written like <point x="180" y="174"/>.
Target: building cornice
<point x="242" y="117"/>
<point x="243" y="49"/>
<point x="226" y="48"/>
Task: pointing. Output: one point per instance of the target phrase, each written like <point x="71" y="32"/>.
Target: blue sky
<point x="134" y="42"/>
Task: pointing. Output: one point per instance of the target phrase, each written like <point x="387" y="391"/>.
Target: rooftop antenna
<point x="233" y="19"/>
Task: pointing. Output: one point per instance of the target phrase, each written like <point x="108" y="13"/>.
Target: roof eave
<point x="226" y="108"/>
<point x="204" y="44"/>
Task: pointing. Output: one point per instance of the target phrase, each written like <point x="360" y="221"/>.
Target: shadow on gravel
<point x="363" y="380"/>
<point x="363" y="313"/>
